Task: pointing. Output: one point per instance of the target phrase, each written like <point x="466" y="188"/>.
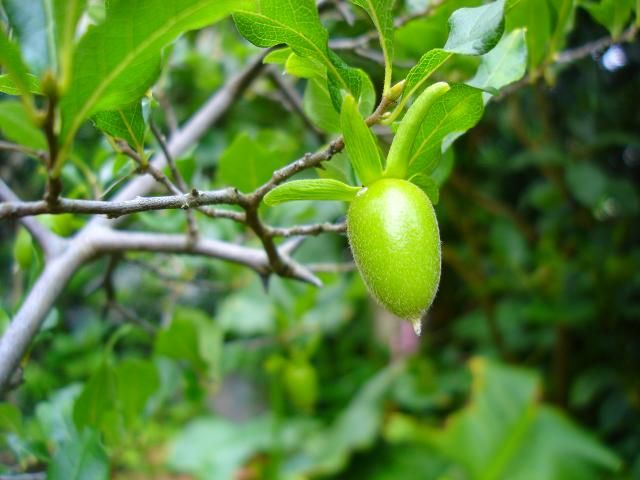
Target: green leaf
<point x="360" y="143"/>
<point x="505" y="64"/>
<point x="587" y="183"/>
<point x="399" y="158"/>
<point x="278" y="56"/>
<point x="66" y="14"/>
<point x="192" y="336"/>
<point x="32" y="27"/>
<point x="179" y="341"/>
<point x="420" y="73"/>
<point x="96" y="401"/>
<point x="271" y="23"/>
<point x="381" y="13"/>
<point x="136" y="381"/>
<point x="23" y="249"/>
<point x="456" y="111"/>
<point x="80" y="458"/>
<point x="126" y="123"/>
<point x="246" y="164"/>
<point x="118" y="60"/>
<point x="520" y="438"/>
<point x="16" y="126"/>
<point x="356" y="427"/>
<point x="10" y="418"/>
<point x="303" y="67"/>
<point x="564" y="11"/>
<point x="428" y="186"/>
<point x="318" y="106"/>
<point x="612" y="14"/>
<point x="475" y="31"/>
<point x="317" y="189"/>
<point x="8" y="86"/>
<point x="11" y="60"/>
<point x="45" y="30"/>
<point x="535" y="17"/>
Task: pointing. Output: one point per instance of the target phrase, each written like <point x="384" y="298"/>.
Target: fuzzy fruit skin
<point x="394" y="237"/>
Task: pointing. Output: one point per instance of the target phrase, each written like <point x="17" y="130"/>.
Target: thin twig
<point x="569" y="56"/>
<point x="177" y="178"/>
<point x="114" y="209"/>
<point x="306" y="230"/>
<point x="295" y="102"/>
<point x="14" y="147"/>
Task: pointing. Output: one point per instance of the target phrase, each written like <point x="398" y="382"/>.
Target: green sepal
<point x="400" y="151"/>
<point x="360" y="143"/>
<point x="317" y="189"/>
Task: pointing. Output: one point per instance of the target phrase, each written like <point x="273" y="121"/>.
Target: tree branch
<point x="59" y="270"/>
<point x="50" y="243"/>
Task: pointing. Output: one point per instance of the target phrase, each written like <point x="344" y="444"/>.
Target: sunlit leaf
<point x="271" y="23"/>
<point x="118" y="60"/>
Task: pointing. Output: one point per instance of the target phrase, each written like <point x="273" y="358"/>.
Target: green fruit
<point x="301" y="384"/>
<point x="393" y="232"/>
<point x="23" y="249"/>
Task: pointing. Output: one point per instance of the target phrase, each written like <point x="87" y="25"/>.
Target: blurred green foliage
<point x="528" y="363"/>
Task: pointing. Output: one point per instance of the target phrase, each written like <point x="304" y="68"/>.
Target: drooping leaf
<point x="475" y="31"/>
<point x="360" y="143"/>
<point x="456" y="111"/>
<point x="80" y="458"/>
<point x="8" y="86"/>
<point x="126" y="123"/>
<point x="317" y="189"/>
<point x="381" y="13"/>
<point x="16" y="126"/>
<point x="246" y="164"/>
<point x="271" y="23"/>
<point x="505" y="64"/>
<point x="118" y="60"/>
